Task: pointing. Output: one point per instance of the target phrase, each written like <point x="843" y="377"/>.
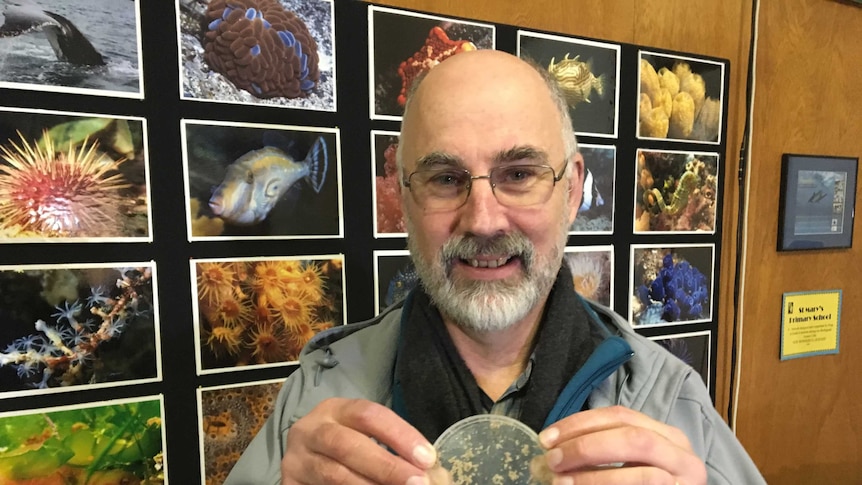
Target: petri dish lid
<point x="491" y="449"/>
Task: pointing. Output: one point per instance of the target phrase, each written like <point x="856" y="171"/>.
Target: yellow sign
<point x="809" y="323"/>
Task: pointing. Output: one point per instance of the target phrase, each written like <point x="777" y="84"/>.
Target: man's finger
<point x="599" y="419"/>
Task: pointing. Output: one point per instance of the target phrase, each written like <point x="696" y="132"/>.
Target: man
<point x="491" y="182"/>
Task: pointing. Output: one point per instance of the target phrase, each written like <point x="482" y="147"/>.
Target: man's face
<point x="484" y="264"/>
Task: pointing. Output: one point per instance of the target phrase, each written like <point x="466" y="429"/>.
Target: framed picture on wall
<point x="675" y="192"/>
<point x="230" y="416"/>
<point x="671" y="284"/>
<point x="587" y="73"/>
<point x="596" y="213"/>
<point x="403" y="44"/>
<point x="680" y="98"/>
<point x="388" y="217"/>
<point x="286" y="58"/>
<point x="260" y="312"/>
<point x="117" y="441"/>
<point x="103" y="194"/>
<point x="68" y="327"/>
<point x="261" y="181"/>
<point x="68" y="46"/>
<point x="592" y="269"/>
<point x="394" y="276"/>
<point x="817" y="200"/>
<point x="693" y="348"/>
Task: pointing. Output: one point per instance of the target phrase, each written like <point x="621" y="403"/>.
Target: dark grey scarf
<point x="433" y="387"/>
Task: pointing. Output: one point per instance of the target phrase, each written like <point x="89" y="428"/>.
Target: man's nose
<point x="482" y="213"/>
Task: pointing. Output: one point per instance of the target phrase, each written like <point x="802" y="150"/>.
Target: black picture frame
<point x="817" y="201"/>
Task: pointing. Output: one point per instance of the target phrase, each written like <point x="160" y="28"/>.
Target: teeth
<point x="487" y="264"/>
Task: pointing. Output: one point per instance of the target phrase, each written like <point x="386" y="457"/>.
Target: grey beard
<point x="487" y="306"/>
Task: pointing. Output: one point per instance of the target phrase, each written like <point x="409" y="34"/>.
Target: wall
<point x="802" y="419"/>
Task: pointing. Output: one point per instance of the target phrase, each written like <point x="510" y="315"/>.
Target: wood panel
<point x="801" y="420"/>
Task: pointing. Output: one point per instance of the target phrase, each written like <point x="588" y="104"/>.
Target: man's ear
<point x="576" y="186"/>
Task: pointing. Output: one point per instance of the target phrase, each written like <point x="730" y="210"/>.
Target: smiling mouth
<point x="484" y="263"/>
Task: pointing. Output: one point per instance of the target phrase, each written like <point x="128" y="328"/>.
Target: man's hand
<point x="620" y="446"/>
<point x="339" y="442"/>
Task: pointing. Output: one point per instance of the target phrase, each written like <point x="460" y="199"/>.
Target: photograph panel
<point x="230" y="416"/>
<point x="587" y="74"/>
<point x="73" y="46"/>
<point x="675" y="192"/>
<point x="68" y="327"/>
<point x="403" y="44"/>
<point x="680" y="98"/>
<point x="251" y="181"/>
<point x="671" y="284"/>
<point x="262" y="311"/>
<point x="73" y="177"/>
<point x="394" y="277"/>
<point x="592" y="269"/>
<point x="110" y="442"/>
<point x="596" y="213"/>
<point x="388" y="216"/>
<point x="693" y="348"/>
<point x="287" y="58"/>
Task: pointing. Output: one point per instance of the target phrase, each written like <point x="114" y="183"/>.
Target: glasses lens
<point x="521" y="185"/>
<point x="439" y="189"/>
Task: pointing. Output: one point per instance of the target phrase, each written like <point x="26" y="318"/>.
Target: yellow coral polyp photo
<point x="264" y="311"/>
<point x="680" y="98"/>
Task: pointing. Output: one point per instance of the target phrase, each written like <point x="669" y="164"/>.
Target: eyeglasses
<point x="443" y="189"/>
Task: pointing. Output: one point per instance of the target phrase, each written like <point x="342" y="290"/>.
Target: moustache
<point x="514" y="245"/>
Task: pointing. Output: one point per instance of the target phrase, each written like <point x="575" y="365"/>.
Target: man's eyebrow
<point x="524" y="153"/>
<point x="438" y="158"/>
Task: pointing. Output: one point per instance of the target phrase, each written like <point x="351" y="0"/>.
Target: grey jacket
<point x="356" y="361"/>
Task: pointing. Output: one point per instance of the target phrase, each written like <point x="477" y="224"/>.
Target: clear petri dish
<point x="493" y="450"/>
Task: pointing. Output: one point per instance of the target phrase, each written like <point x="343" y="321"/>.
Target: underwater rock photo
<point x="675" y="192"/>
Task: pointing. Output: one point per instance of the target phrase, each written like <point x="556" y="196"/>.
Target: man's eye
<point x="446" y="179"/>
<point x="249" y="177"/>
<point x="517" y="175"/>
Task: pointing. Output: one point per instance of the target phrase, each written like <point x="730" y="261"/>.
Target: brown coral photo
<point x="587" y="74"/>
<point x="83" y="326"/>
<point x="675" y="192"/>
<point x="268" y="52"/>
<point x="402" y="45"/>
<point x="252" y="181"/>
<point x="262" y="311"/>
<point x="680" y="98"/>
<point x="230" y="416"/>
<point x="69" y="177"/>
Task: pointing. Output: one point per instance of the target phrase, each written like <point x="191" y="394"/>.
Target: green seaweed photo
<point x="120" y="443"/>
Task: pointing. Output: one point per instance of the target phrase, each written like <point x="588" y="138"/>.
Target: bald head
<point x="476" y="83"/>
